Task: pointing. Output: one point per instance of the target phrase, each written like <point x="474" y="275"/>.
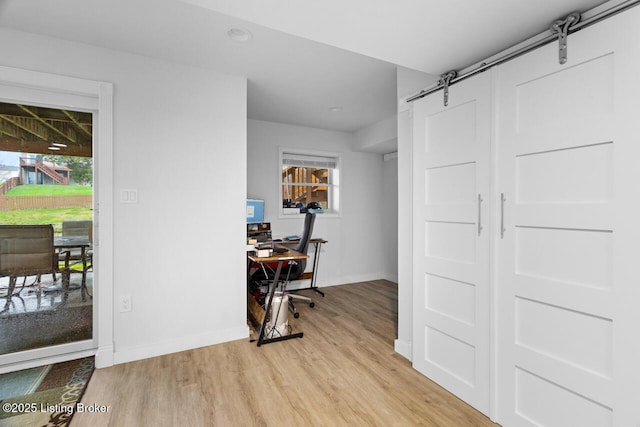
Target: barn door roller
<point x="562" y="27"/>
<point x="445" y="81"/>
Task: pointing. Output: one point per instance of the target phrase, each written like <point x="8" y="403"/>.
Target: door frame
<point x="56" y="91"/>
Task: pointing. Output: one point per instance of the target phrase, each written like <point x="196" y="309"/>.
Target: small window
<point x="307" y="177"/>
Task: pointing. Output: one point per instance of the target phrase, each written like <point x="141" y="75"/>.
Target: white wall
<point x="380" y="137"/>
<point x="166" y="117"/>
<point x="390" y="216"/>
<point x="356" y="248"/>
<point x="403" y="344"/>
<point x="408" y="83"/>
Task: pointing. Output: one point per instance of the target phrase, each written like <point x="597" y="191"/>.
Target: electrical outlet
<point x="125" y="303"/>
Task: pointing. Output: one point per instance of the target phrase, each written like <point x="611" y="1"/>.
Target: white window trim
<point x="336" y="212"/>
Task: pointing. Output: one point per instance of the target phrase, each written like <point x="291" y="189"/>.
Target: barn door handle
<point x="503" y="199"/>
<point x="479" y="214"/>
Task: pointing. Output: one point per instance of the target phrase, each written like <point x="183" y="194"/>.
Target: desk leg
<point x="314" y="269"/>
<point x="316" y="258"/>
<point x="261" y="337"/>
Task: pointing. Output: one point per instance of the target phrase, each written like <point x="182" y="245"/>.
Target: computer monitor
<point x="255" y="211"/>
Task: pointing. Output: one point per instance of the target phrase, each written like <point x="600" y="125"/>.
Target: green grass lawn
<point x="46" y="216"/>
<point x="50" y="190"/>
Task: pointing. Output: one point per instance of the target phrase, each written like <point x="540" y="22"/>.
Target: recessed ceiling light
<point x="58" y="144"/>
<point x="53" y="148"/>
<point x="239" y="34"/>
<point x="335" y="109"/>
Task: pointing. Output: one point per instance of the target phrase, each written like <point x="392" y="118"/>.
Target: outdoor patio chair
<point x="27" y="250"/>
<point x="80" y="228"/>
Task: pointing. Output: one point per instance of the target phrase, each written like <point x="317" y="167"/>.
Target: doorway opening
<point x="46" y="179"/>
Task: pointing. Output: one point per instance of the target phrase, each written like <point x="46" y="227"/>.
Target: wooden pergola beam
<point x="26" y="126"/>
<point x="33" y="129"/>
<point x="8" y="143"/>
<point x="74" y="117"/>
<point x="70" y="138"/>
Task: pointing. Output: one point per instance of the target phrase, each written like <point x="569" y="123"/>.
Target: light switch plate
<point x="128" y="196"/>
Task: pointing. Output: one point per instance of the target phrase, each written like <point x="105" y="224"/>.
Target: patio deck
<point x="40" y="317"/>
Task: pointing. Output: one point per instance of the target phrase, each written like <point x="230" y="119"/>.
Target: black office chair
<point x="294" y="270"/>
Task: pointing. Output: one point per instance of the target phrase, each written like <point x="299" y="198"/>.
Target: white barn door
<point x="568" y="140"/>
<point x="451" y="166"/>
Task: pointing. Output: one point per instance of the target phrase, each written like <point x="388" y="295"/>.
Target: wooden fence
<point x="43" y="202"/>
<point x="9" y="184"/>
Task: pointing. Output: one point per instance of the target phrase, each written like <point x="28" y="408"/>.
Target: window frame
<point x="333" y="184"/>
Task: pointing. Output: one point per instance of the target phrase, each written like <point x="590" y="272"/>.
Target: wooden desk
<point x="316" y="258"/>
<point x="282" y="259"/>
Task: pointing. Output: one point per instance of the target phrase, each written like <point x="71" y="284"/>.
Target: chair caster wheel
<point x="312" y="304"/>
<point x="296" y="315"/>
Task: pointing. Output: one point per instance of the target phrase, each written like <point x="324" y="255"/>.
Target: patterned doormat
<point x="44" y="396"/>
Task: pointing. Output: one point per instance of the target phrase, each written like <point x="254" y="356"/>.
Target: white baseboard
<point x="104" y="357"/>
<point x="391" y="278"/>
<point x="304" y="284"/>
<point x="298" y="284"/>
<point x="180" y="344"/>
<point x="403" y="348"/>
<point x="360" y="278"/>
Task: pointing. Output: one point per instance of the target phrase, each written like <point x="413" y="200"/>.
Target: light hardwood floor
<point x="344" y="372"/>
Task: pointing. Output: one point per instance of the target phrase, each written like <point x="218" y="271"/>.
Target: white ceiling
<point x="294" y="68"/>
<point x="433" y="36"/>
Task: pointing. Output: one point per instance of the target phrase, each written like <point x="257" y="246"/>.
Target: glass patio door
<point x="46" y="178"/>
